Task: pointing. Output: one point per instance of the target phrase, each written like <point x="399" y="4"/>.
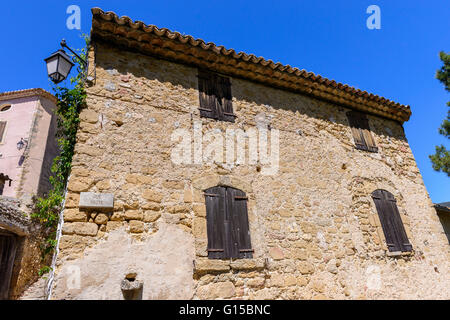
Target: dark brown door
<point x="8" y="246"/>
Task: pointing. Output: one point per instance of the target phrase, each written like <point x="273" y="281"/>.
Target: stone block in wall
<point x="72" y="200"/>
<point x="71" y="241"/>
<point x="222" y="290"/>
<point x="112" y="225"/>
<point x="199" y="228"/>
<point x="276" y="253"/>
<point x="136" y="226"/>
<point x="80" y="172"/>
<point x="75" y="215"/>
<point x="137" y="179"/>
<point x="103" y="185"/>
<point x="151" y="216"/>
<point x="101" y="218"/>
<point x="173" y="184"/>
<point x="247" y="264"/>
<point x="199" y="210"/>
<point x="277" y="280"/>
<point x="187" y="196"/>
<point x="80" y="228"/>
<point x="133" y="215"/>
<point x="151" y="206"/>
<point x="211" y="265"/>
<point x="201" y="246"/>
<point x="256" y="282"/>
<point x="152" y="195"/>
<point x="89" y="128"/>
<point x="79" y="184"/>
<point x="118" y="216"/>
<point x="178" y="209"/>
<point x="88" y="116"/>
<point x="264" y="294"/>
<point x="89" y="150"/>
<point x="305" y="267"/>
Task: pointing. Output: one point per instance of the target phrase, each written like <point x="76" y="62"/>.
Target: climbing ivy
<point x="70" y="102"/>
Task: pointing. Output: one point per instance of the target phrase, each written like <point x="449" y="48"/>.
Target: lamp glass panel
<point x="52" y="65"/>
<point x="64" y="66"/>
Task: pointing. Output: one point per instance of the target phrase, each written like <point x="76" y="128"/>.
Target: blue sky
<point x="326" y="37"/>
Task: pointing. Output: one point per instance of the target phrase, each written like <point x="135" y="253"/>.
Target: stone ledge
<point x="211" y="265"/>
<point x="396" y="254"/>
<point x="205" y="265"/>
<point x="248" y="264"/>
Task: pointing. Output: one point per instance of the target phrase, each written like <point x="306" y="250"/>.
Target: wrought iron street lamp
<point x="59" y="64"/>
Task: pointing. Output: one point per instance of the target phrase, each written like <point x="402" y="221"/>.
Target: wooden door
<point x="8" y="246"/>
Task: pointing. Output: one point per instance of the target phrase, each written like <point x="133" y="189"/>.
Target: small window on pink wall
<point x="2" y="130"/>
<point x="5" y="107"/>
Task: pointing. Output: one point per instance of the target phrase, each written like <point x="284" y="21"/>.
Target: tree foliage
<point x="441" y="159"/>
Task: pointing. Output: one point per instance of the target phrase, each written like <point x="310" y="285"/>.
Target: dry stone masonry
<point x="314" y="228"/>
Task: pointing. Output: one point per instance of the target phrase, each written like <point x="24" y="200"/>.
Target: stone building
<point x="27" y="148"/>
<point x="238" y="178"/>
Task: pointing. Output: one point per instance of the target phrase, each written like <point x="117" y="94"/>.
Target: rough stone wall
<point x="314" y="226"/>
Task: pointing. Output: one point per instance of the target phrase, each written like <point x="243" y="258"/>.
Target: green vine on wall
<point x="70" y="102"/>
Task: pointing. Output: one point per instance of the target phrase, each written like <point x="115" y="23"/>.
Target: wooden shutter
<point x="206" y="87"/>
<point x="237" y="204"/>
<point x="361" y="131"/>
<point x="215" y="96"/>
<point x="215" y="220"/>
<point x="8" y="245"/>
<point x="2" y="129"/>
<point x="391" y="222"/>
<point x="225" y="99"/>
<point x="368" y="139"/>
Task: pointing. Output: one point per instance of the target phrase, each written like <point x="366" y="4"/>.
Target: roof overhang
<point x="173" y="46"/>
<point x="442" y="208"/>
<point x="9" y="95"/>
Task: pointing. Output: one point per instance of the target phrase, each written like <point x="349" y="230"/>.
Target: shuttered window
<point x="361" y="131"/>
<point x="215" y="96"/>
<point x="391" y="222"/>
<point x="2" y="130"/>
<point x="8" y="245"/>
<point x="227" y="223"/>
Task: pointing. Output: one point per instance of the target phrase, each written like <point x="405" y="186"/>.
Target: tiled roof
<point x="149" y="39"/>
<point x="8" y="95"/>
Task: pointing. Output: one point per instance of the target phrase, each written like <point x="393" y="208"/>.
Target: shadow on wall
<point x="246" y="91"/>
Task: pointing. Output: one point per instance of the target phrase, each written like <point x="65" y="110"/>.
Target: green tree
<point x="441" y="159"/>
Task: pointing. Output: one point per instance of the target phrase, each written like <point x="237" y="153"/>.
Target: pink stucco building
<point x="27" y="148"/>
<point x="27" y="142"/>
